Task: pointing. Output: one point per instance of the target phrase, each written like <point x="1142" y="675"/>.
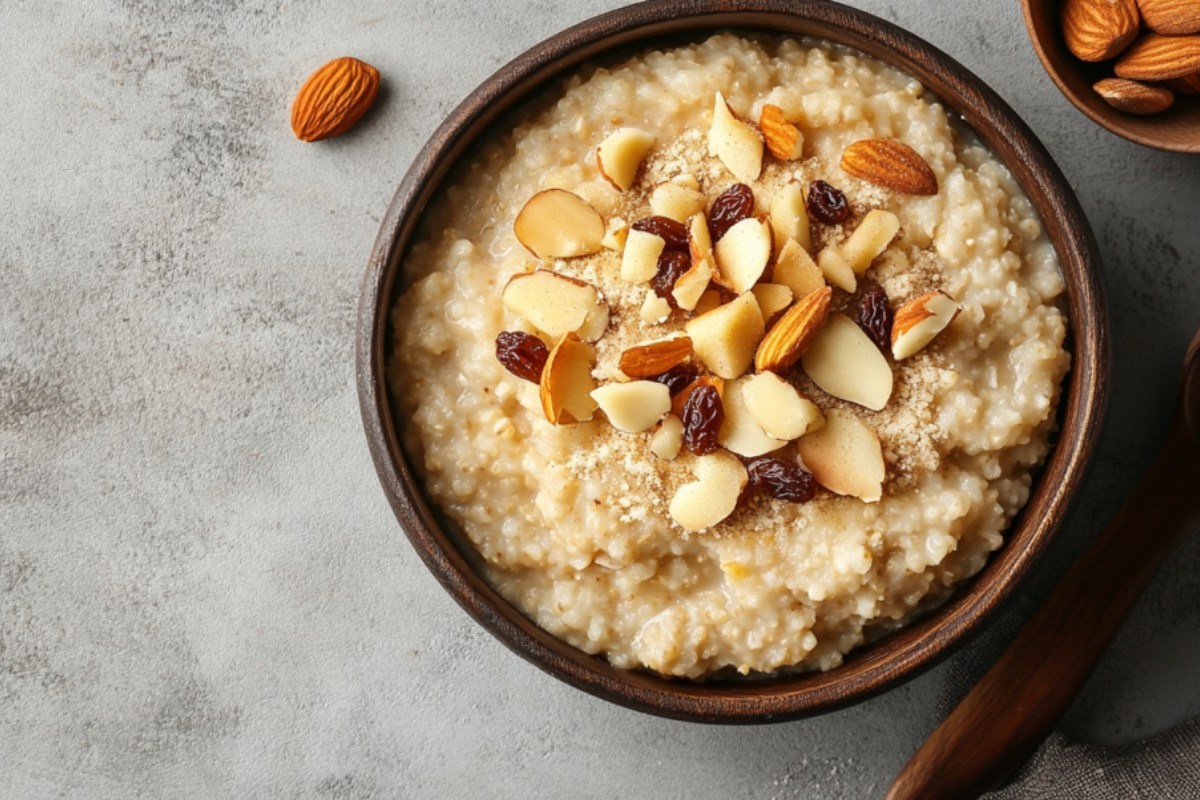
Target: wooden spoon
<point x="999" y="724"/>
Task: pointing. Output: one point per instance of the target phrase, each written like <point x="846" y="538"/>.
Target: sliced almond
<point x="680" y="400"/>
<point x="784" y="140"/>
<point x="836" y="270"/>
<point x="557" y="305"/>
<point x="737" y="144"/>
<point x="789" y="217"/>
<point x="707" y="302"/>
<point x="720" y="479"/>
<point x="794" y="332"/>
<point x="845" y="457"/>
<point x="870" y="238"/>
<point x="739" y="432"/>
<point x="781" y="411"/>
<point x="655" y="309"/>
<point x="639" y="262"/>
<point x="621" y="154"/>
<point x="848" y="365"/>
<point x="676" y="202"/>
<point x="742" y="254"/>
<point x="635" y="406"/>
<point x="667" y="440"/>
<point x="567" y="384"/>
<point x="890" y="164"/>
<point x="920" y="320"/>
<point x="724" y="339"/>
<point x="772" y="298"/>
<point x="691" y="285"/>
<point x="614" y="234"/>
<point x="795" y="269"/>
<point x="558" y="224"/>
<point x="654" y="358"/>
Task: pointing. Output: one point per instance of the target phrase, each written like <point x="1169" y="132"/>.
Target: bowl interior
<point x="1176" y="129"/>
<point x="869" y="669"/>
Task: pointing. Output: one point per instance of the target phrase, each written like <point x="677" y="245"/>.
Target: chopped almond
<point x="844" y="362"/>
<point x="789" y="217"/>
<point x="557" y="305"/>
<point x="795" y="269"/>
<point x="690" y="286"/>
<point x="742" y="254"/>
<point x="558" y="224"/>
<point x="655" y="309"/>
<point x="772" y="298"/>
<point x="668" y="439"/>
<point x="836" y="270"/>
<point x="725" y="338"/>
<point x="845" y="457"/>
<point x="620" y="155"/>
<point x="781" y="411"/>
<point x="739" y="432"/>
<point x="737" y="144"/>
<point x="676" y="202"/>
<point x="639" y="263"/>
<point x="920" y="320"/>
<point x="635" y="406"/>
<point x="720" y="479"/>
<point x="566" y="383"/>
<point x="870" y="238"/>
<point x="615" y="233"/>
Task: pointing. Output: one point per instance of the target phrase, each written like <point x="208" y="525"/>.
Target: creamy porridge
<point x="771" y="469"/>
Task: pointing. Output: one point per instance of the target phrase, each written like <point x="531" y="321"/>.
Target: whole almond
<point x="1097" y="30"/>
<point x="783" y="139"/>
<point x="794" y="332"/>
<point x="890" y="164"/>
<point x="1157" y="58"/>
<point x="1188" y="84"/>
<point x="655" y="358"/>
<point x="334" y="98"/>
<point x="1171" y="17"/>
<point x="1133" y="97"/>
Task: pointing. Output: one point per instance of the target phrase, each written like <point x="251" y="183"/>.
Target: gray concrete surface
<point x="203" y="593"/>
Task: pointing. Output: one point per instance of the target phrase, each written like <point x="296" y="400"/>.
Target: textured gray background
<point x="202" y="590"/>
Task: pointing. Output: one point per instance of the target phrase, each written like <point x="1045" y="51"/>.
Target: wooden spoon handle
<point x="1004" y="718"/>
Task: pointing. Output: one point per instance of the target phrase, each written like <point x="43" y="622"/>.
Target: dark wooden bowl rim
<point x="894" y="658"/>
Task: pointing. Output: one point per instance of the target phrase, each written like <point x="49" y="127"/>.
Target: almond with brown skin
<point x="794" y="332"/>
<point x="655" y="358"/>
<point x="1097" y="30"/>
<point x="1171" y="17"/>
<point x="890" y="164"/>
<point x="334" y="98"/>
<point x="783" y="139"/>
<point x="1188" y="84"/>
<point x="1133" y="97"/>
<point x="1157" y="58"/>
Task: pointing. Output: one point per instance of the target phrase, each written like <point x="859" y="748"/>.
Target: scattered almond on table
<point x="334" y="98"/>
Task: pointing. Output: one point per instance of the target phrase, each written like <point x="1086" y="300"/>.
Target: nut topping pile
<point x="751" y="305"/>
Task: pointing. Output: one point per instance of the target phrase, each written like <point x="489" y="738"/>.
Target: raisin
<point x="783" y="480"/>
<point x="827" y="204"/>
<point x="522" y="354"/>
<point x="702" y="418"/>
<point x="671" y="264"/>
<point x="731" y="207"/>
<point x="675" y="234"/>
<point x="875" y="316"/>
<point x="677" y="378"/>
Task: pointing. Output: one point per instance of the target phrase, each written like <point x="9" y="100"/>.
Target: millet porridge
<point x="811" y="324"/>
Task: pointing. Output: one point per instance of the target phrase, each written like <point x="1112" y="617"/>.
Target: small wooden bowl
<point x="1176" y="129"/>
<point x="870" y="669"/>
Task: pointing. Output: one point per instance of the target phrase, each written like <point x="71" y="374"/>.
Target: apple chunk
<point x="725" y="338"/>
<point x="789" y="216"/>
<point x="639" y="262"/>
<point x="772" y="298"/>
<point x="737" y="144"/>
<point x="742" y="254"/>
<point x="557" y="305"/>
<point x="844" y="362"/>
<point x="558" y="224"/>
<point x="845" y="457"/>
<point x="720" y="479"/>
<point x="621" y="154"/>
<point x="677" y="202"/>
<point x="739" y="432"/>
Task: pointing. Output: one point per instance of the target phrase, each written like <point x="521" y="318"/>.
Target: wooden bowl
<point x="872" y="668"/>
<point x="1176" y="129"/>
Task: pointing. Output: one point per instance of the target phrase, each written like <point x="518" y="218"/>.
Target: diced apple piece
<point x="739" y="432"/>
<point x="848" y="365"/>
<point x="725" y="338"/>
<point x="640" y="260"/>
<point x="919" y="320"/>
<point x="870" y="238"/>
<point x="567" y="384"/>
<point x="772" y="298"/>
<point x="836" y="270"/>
<point x="614" y="234"/>
<point x="675" y="202"/>
<point x="620" y="155"/>
<point x="635" y="406"/>
<point x="742" y="254"/>
<point x="737" y="144"/>
<point x="557" y="305"/>
<point x="845" y="457"/>
<point x="795" y="269"/>
<point x="781" y="411"/>
<point x="668" y="439"/>
<point x="720" y="479"/>
<point x="558" y="224"/>
<point x="789" y="217"/>
<point x="655" y="309"/>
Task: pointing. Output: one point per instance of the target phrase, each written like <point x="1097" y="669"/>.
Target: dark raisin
<point x="671" y="264"/>
<point x="677" y="378"/>
<point x="522" y="354"/>
<point x="827" y="204"/>
<point x="875" y="316"/>
<point x="675" y="234"/>
<point x="731" y="207"/>
<point x="784" y="480"/>
<point x="702" y="418"/>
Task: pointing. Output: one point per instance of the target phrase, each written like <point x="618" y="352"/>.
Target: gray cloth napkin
<point x="1163" y="767"/>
